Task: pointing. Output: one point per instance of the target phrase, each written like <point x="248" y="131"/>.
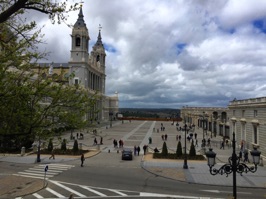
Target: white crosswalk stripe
<point x="38" y="171"/>
<point x="87" y="191"/>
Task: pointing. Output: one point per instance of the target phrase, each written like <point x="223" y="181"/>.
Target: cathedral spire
<point x="99" y="40"/>
<point x="80" y="21"/>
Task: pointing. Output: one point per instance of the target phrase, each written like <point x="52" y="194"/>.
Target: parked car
<point x="127" y="154"/>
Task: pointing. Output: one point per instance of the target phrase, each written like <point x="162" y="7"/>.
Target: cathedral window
<point x="98" y="58"/>
<point x="77" y="41"/>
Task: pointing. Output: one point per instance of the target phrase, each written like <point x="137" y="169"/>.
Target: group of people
<point x="137" y="149"/>
<point x="95" y="142"/>
<point x="119" y="144"/>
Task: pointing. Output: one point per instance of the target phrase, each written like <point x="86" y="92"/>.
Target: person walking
<point x="222" y="145"/>
<point x="52" y="154"/>
<point x="82" y="159"/>
<point x="246" y="156"/>
<point x="144" y="149"/>
<point x="138" y="149"/>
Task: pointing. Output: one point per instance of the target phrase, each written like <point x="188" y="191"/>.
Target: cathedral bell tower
<point x="98" y="58"/>
<point x="80" y="40"/>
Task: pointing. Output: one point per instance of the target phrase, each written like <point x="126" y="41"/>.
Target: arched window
<point x="78" y="41"/>
<point x="98" y="58"/>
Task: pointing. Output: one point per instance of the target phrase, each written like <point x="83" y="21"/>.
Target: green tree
<point x="179" y="149"/>
<point x="164" y="150"/>
<point x="50" y="145"/>
<point x="63" y="145"/>
<point x="192" y="151"/>
<point x="75" y="147"/>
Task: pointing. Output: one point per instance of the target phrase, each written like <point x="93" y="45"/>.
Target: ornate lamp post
<point x="185" y="157"/>
<point x="234" y="165"/>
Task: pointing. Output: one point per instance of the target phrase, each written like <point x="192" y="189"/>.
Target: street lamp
<point x="185" y="157"/>
<point x="234" y="165"/>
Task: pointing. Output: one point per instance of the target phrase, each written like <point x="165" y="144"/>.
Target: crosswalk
<point x="39" y="171"/>
<point x="63" y="190"/>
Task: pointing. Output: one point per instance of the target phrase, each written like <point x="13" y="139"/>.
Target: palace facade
<point x="247" y="118"/>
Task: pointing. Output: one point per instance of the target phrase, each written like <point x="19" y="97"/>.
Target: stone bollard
<point x="261" y="162"/>
<point x="22" y="151"/>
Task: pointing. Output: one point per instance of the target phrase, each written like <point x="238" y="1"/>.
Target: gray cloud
<point x="174" y="53"/>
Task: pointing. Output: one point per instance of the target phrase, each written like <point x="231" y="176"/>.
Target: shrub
<point x="164" y="150"/>
<point x="75" y="146"/>
<point x="192" y="151"/>
<point x="50" y="145"/>
<point x="179" y="149"/>
<point x="63" y="145"/>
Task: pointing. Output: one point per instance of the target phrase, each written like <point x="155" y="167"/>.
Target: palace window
<point x="255" y="113"/>
<point x="76" y="80"/>
<point x="255" y="134"/>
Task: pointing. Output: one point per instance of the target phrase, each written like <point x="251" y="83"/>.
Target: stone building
<point x="247" y="118"/>
<point x="88" y="70"/>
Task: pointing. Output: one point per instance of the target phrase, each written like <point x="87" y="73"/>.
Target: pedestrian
<point x="144" y="149"/>
<point x="95" y="141"/>
<point x="196" y="143"/>
<point x="176" y="137"/>
<point x="77" y="135"/>
<point x="101" y="141"/>
<point x="52" y="154"/>
<point x="135" y="150"/>
<point x="82" y="159"/>
<point x="156" y="150"/>
<point x="246" y="156"/>
<point x="195" y="134"/>
<point x="179" y="137"/>
<point x="209" y="142"/>
<point x="222" y="145"/>
<point x="240" y="155"/>
<point x="165" y="137"/>
<point x="138" y="149"/>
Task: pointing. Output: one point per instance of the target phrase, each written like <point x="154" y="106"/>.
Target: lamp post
<point x="185" y="156"/>
<point x="234" y="165"/>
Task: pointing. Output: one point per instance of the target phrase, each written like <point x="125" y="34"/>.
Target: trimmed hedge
<point x="174" y="156"/>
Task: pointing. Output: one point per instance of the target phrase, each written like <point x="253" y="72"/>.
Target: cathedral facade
<point x="88" y="70"/>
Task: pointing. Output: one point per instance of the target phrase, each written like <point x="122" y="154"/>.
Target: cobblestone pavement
<point x="137" y="133"/>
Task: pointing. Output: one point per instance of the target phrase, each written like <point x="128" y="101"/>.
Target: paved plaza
<point x="137" y="133"/>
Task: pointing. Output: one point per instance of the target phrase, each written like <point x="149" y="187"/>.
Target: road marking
<point x="93" y="191"/>
<point x="217" y="191"/>
<point x="67" y="188"/>
<point x="37" y="195"/>
<point x="143" y="194"/>
<point x="55" y="193"/>
<point x="117" y="192"/>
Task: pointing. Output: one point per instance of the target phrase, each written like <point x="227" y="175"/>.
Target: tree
<point x="33" y="106"/>
<point x="55" y="10"/>
<point x="192" y="151"/>
<point x="50" y="145"/>
<point x="164" y="150"/>
<point x="179" y="149"/>
<point x="63" y="145"/>
<point x="75" y="147"/>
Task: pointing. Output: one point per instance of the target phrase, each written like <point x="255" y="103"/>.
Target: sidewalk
<point x="197" y="172"/>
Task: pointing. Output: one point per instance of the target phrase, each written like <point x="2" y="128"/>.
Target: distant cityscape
<point x="150" y="113"/>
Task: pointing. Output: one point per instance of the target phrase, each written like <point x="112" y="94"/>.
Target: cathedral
<point x="88" y="69"/>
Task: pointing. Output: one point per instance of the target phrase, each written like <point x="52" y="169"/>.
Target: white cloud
<point x="174" y="53"/>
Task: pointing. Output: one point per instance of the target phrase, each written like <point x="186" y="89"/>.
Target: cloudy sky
<point x="173" y="53"/>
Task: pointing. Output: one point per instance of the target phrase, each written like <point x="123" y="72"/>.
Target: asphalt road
<point x="107" y="171"/>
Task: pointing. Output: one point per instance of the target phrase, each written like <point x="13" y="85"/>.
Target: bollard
<point x="109" y="151"/>
<point x="22" y="151"/>
<point x="261" y="162"/>
<point x="117" y="151"/>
